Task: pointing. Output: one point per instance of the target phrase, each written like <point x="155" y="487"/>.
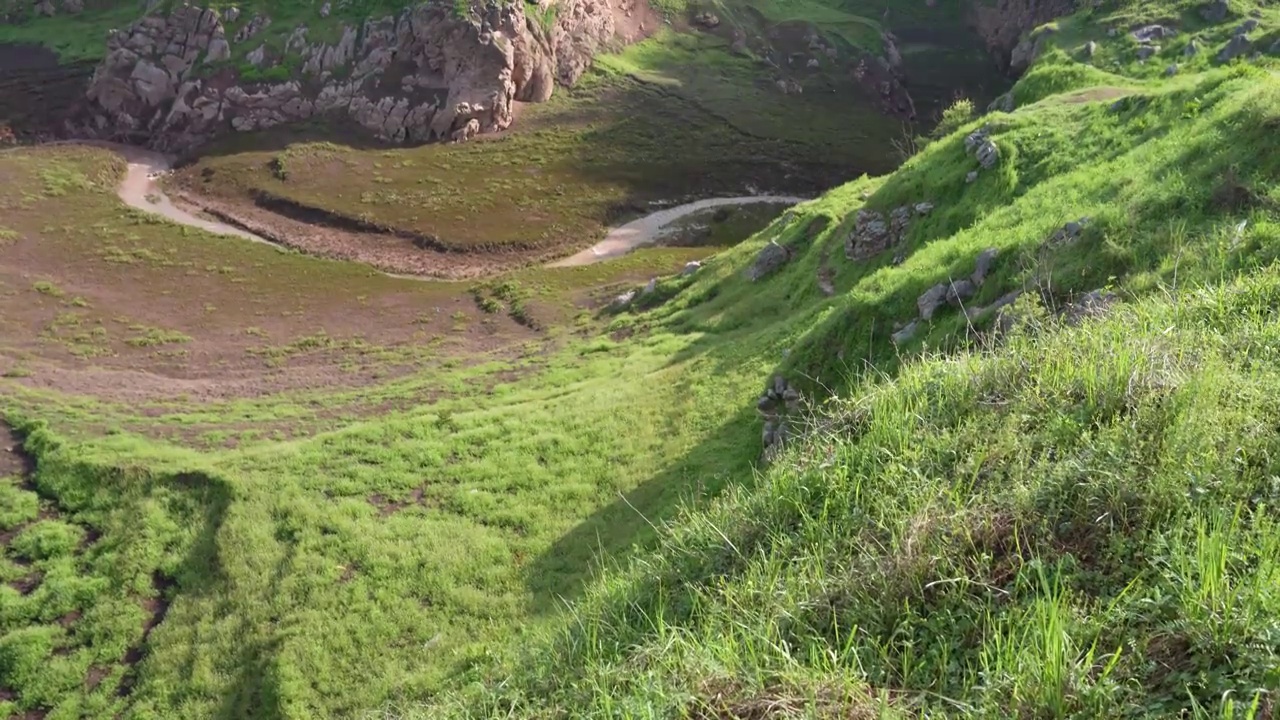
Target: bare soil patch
<point x="14" y="460"/>
<point x="103" y="301"/>
<point x="324" y="234"/>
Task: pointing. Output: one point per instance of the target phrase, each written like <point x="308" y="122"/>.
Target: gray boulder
<point x="983" y="264"/>
<point x="1171" y="70"/>
<point x="770" y="258"/>
<point x="1216" y="11"/>
<point x="45" y="8"/>
<point x="906" y="333"/>
<point x="1239" y="45"/>
<point x="1146" y="51"/>
<point x="1029" y="49"/>
<point x="983" y="148"/>
<point x="1246" y="27"/>
<point x="932" y="299"/>
<point x="1191" y="49"/>
<point x="960" y="290"/>
<point x="73" y="6"/>
<point x="1151" y="33"/>
<point x="231" y="14"/>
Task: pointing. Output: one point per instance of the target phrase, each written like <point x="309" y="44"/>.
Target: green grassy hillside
<point x="1028" y="512"/>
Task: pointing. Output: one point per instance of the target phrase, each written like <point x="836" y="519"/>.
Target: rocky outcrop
<point x="1004" y="23"/>
<point x="424" y="75"/>
<point x="873" y="233"/>
<point x="581" y="30"/>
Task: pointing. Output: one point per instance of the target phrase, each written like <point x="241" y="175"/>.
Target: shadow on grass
<point x="629" y="525"/>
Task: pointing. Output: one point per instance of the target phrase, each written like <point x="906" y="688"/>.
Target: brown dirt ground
<point x="388" y="252"/>
<point x="84" y="281"/>
<point x="103" y="304"/>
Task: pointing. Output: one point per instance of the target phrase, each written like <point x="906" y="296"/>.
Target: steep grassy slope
<point x="1049" y="521"/>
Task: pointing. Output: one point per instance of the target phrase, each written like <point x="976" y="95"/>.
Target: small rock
<point x="983" y="264"/>
<point x="932" y="299"/>
<point x="231" y="14"/>
<point x="690" y="268"/>
<point x="770" y="258"/>
<point x="923" y="208"/>
<point x="813" y="63"/>
<point x="257" y="57"/>
<point x="73" y="6"/>
<point x="650" y="287"/>
<point x="1068" y="233"/>
<point x="973" y="313"/>
<point x="45" y="8"/>
<point x="624" y="299"/>
<point x="1112" y="32"/>
<point x="325" y="9"/>
<point x="972" y="177"/>
<point x="1151" y="33"/>
<point x="1092" y="304"/>
<point x="1246" y="27"/>
<point x="1171" y="70"/>
<point x="1147" y="51"/>
<point x="1191" y="49"/>
<point x="708" y="20"/>
<point x="983" y="148"/>
<point x="1238" y="46"/>
<point x="906" y="333"/>
<point x="1090" y="49"/>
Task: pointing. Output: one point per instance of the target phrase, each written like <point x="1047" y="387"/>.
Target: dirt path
<point x="140" y="190"/>
<point x="651" y="228"/>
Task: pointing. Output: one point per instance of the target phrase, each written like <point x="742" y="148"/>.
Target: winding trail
<point x="140" y="190"/>
<point x="650" y="228"/>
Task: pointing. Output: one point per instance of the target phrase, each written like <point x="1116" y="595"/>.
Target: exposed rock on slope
<point x="1004" y="23"/>
<point x="423" y="75"/>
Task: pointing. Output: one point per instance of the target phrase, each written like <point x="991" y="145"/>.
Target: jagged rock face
<point x="423" y="75"/>
<point x="582" y="27"/>
<point x="1003" y="23"/>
